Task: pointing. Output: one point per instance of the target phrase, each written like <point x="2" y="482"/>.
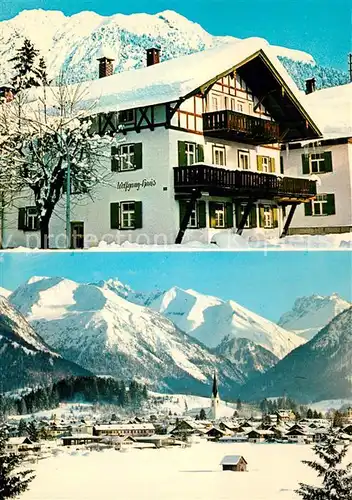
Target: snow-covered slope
<point x="4" y="292"/>
<point x="210" y="319"/>
<point x="109" y="335"/>
<point x="72" y="44"/>
<point x="319" y="370"/>
<point x="310" y="314"/>
<point x="25" y="359"/>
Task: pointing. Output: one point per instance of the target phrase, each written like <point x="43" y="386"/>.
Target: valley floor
<point x="174" y="474"/>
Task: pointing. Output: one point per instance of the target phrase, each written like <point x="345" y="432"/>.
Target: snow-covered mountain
<point x="4" y="292"/>
<point x="310" y="314"/>
<point x="111" y="336"/>
<point x="321" y="369"/>
<point x="25" y="358"/>
<point x="210" y="320"/>
<point x="249" y="357"/>
<point x="72" y="44"/>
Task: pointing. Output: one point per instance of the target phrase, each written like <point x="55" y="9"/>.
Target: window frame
<point x="127" y="120"/>
<point x="121" y="213"/>
<point x="216" y="212"/>
<point x="241" y="153"/>
<point x="319" y="161"/>
<point x="267" y="166"/>
<point x="122" y="160"/>
<point x="188" y="153"/>
<point x="319" y="202"/>
<point x="268" y="209"/>
<point x="219" y="149"/>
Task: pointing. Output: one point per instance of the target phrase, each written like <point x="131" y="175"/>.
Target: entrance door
<point x="77" y="235"/>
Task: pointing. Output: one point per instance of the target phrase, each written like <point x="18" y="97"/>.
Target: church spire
<point x="215" y="392"/>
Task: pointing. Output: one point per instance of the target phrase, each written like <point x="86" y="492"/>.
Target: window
<point x="233" y="104"/>
<point x="243" y="160"/>
<point x="190" y="152"/>
<point x="28" y="219"/>
<point x="318" y="207"/>
<point x="127" y="215"/>
<point x="126" y="116"/>
<point x="219" y="156"/>
<point x="240" y="106"/>
<point x="127" y="157"/>
<point x="215" y="103"/>
<point x="265" y="164"/>
<point x="250" y="108"/>
<point x="226" y="102"/>
<point x="193" y="221"/>
<point x="268" y="216"/>
<point x="317" y="163"/>
<point x="219" y="214"/>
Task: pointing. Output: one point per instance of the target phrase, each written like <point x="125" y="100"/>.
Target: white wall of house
<point x="337" y="182"/>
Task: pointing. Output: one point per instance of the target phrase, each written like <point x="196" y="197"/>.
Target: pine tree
<point x="42" y="72"/>
<point x="13" y="480"/>
<point x="337" y="481"/>
<point x="32" y="431"/>
<point x="26" y="72"/>
<point x="22" y="428"/>
<point x="202" y="414"/>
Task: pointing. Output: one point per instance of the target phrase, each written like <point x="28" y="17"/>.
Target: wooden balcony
<point x="230" y="125"/>
<point x="241" y="184"/>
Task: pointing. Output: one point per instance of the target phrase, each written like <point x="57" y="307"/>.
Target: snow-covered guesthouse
<point x="200" y="150"/>
<point x="329" y="159"/>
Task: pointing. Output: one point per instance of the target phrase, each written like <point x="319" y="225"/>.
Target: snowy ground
<point x="174" y="474"/>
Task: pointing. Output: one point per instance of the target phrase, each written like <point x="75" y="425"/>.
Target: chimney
<point x="106" y="67"/>
<point x="153" y="56"/>
<point x="310" y="85"/>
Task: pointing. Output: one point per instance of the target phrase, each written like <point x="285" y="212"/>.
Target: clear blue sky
<point x="265" y="283"/>
<point x="320" y="27"/>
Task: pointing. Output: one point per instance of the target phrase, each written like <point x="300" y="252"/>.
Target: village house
<point x="133" y="430"/>
<point x="235" y="463"/>
<point x="79" y="439"/>
<point x="22" y="445"/>
<point x="329" y="159"/>
<point x="197" y="152"/>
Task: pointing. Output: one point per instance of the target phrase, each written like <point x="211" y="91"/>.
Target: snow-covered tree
<point x="44" y="133"/>
<point x="32" y="431"/>
<point x="14" y="479"/>
<point x="26" y="68"/>
<point x="336" y="479"/>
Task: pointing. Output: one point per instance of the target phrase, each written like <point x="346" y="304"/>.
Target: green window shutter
<point x="260" y="163"/>
<point x="138" y="156"/>
<point x="114" y="161"/>
<point x="138" y="215"/>
<point x="201" y="214"/>
<point x="281" y="165"/>
<point x="183" y="207"/>
<point x="261" y="216"/>
<point x="275" y="216"/>
<point x="229" y="214"/>
<point x="272" y="164"/>
<point x="305" y="164"/>
<point x="114" y="215"/>
<point x="328" y="161"/>
<point x="308" y="210"/>
<point x="212" y="222"/>
<point x="200" y="153"/>
<point x="329" y="206"/>
<point x="182" y="161"/>
<point x="22" y="219"/>
<point x="253" y="217"/>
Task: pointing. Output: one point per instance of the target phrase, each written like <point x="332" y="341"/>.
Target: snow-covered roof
<point x="332" y="110"/>
<point x="178" y="78"/>
<point x="231" y="459"/>
<point x="117" y="427"/>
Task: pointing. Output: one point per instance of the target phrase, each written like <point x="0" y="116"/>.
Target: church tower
<point x="215" y="399"/>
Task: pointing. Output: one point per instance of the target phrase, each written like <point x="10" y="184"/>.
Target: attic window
<point x="126" y="116"/>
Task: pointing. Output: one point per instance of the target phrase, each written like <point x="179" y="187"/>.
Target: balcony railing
<point x="241" y="183"/>
<point x="238" y="126"/>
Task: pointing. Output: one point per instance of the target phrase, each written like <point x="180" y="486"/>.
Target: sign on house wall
<point x="137" y="185"/>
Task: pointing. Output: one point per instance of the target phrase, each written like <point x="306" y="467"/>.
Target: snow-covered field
<point x="274" y="471"/>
